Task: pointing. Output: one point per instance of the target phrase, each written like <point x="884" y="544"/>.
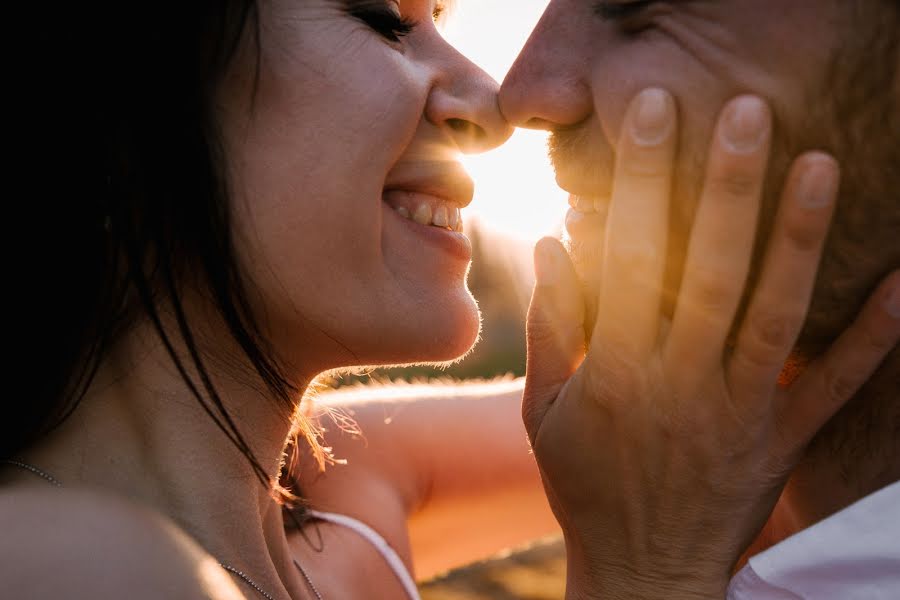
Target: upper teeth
<point x="586" y="204"/>
<point x="442" y="215"/>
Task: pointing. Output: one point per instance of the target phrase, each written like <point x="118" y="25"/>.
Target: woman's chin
<point x="439" y="337"/>
<point x="450" y="344"/>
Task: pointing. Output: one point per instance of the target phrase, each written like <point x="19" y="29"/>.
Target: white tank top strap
<point x="390" y="555"/>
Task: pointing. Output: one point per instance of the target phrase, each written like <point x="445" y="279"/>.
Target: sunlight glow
<point x="515" y="189"/>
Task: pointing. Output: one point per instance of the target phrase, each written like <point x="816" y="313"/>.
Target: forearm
<point x="457" y="458"/>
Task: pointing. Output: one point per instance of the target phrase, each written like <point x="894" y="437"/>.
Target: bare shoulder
<point x="84" y="544"/>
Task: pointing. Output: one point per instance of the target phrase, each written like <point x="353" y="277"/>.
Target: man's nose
<point x="548" y="86"/>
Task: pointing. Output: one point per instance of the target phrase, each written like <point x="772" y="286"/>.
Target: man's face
<point x="587" y="59"/>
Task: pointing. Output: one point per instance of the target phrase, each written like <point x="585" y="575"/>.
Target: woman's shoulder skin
<point x="84" y="544"/>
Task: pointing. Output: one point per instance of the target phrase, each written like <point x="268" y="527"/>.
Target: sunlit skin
<point x="701" y="52"/>
<point x="341" y="117"/>
<point x="586" y="60"/>
<point x="705" y="54"/>
<point x="340" y="128"/>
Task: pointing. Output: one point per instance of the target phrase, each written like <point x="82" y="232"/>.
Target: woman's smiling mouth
<point x="425" y="209"/>
<point x="426" y="197"/>
<point x="430" y="193"/>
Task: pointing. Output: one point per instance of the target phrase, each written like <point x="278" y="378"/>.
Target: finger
<point x="831" y="380"/>
<point x="636" y="229"/>
<point x="721" y="243"/>
<point x="554" y="331"/>
<point x="585" y="247"/>
<point x="781" y="298"/>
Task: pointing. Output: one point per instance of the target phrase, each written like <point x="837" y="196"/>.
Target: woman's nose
<point x="463" y="101"/>
<point x="547" y="86"/>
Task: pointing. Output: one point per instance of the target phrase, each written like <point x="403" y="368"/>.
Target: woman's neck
<point x="141" y="433"/>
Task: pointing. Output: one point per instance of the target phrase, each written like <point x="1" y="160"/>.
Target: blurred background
<point x="516" y="203"/>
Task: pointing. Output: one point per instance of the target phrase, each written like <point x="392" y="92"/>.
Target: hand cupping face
<point x="661" y="443"/>
<point x="654" y="350"/>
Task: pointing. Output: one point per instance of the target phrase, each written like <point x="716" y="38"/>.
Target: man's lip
<point x="446" y="180"/>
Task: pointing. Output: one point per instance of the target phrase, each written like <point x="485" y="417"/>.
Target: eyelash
<point x="386" y="22"/>
<point x="618" y="11"/>
<point x="383" y="20"/>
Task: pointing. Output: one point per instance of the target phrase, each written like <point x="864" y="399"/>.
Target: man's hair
<point x="863" y="93"/>
<point x="862" y="100"/>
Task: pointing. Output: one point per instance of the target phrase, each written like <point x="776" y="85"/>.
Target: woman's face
<point x="341" y="141"/>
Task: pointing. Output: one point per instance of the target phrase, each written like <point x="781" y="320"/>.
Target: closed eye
<point x="382" y="19"/>
<point x="613" y="10"/>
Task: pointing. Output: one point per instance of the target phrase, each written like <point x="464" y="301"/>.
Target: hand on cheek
<point x="661" y="452"/>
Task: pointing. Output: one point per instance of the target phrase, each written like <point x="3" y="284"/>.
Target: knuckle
<point x="614" y="374"/>
<point x="838" y="386"/>
<point x="804" y="235"/>
<point x="752" y="357"/>
<point x="877" y="340"/>
<point x="637" y="255"/>
<point x="646" y="169"/>
<point x="772" y="331"/>
<point x="711" y="289"/>
<point x="735" y="184"/>
<point x="539" y="327"/>
<point x="760" y="353"/>
<point x="712" y="297"/>
<point x="545" y="334"/>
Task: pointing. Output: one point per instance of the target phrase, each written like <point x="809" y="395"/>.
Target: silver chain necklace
<point x="56" y="483"/>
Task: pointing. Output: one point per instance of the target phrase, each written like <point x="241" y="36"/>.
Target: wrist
<point x="629" y="590"/>
<point x="609" y="577"/>
<point x="616" y="586"/>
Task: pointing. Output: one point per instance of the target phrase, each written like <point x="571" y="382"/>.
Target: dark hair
<point x="123" y="170"/>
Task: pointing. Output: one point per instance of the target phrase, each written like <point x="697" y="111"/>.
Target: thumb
<point x="554" y="331"/>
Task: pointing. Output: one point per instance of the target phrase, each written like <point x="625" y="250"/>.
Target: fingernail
<point x="546" y="265"/>
<point x="818" y="185"/>
<point x="746" y="124"/>
<point x="892" y="305"/>
<point x="652" y="118"/>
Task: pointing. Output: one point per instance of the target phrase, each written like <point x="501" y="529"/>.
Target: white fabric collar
<point x="853" y="554"/>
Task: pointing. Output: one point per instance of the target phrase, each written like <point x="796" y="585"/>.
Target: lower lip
<point x="601" y="207"/>
<point x="586" y="227"/>
<point x="453" y="243"/>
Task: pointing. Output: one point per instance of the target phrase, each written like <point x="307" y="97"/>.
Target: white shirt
<point x="852" y="555"/>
